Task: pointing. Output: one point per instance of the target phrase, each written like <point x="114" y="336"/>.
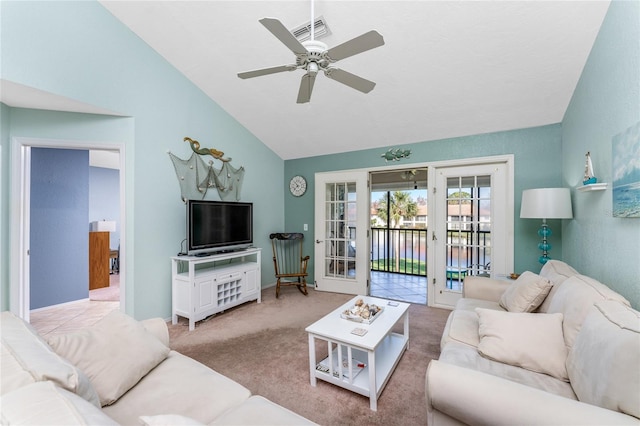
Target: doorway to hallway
<point x="21" y="219"/>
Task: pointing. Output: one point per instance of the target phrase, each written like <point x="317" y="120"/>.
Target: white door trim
<point x="508" y="259"/>
<point x="359" y="282"/>
<point x="20" y="214"/>
<point x="507" y="159"/>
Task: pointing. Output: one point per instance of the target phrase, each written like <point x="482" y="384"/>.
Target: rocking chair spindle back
<point x="289" y="264"/>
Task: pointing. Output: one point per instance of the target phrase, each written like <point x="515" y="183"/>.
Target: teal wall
<point x="537" y="162"/>
<point x="80" y="51"/>
<point x="605" y="103"/>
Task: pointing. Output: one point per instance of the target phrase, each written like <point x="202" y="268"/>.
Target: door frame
<point x="361" y="283"/>
<point x="20" y="214"/>
<point x="508" y="161"/>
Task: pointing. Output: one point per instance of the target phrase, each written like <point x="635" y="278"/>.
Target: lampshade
<point x="546" y="203"/>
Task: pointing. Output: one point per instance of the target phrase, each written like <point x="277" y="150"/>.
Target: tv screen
<point x="214" y="226"/>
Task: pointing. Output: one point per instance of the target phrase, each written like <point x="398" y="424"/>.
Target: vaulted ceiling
<point x="447" y="68"/>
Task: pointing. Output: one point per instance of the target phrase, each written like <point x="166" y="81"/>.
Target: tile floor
<point x="71" y="316"/>
<point x="404" y="288"/>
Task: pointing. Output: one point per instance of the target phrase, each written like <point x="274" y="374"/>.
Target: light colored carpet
<point x="265" y="348"/>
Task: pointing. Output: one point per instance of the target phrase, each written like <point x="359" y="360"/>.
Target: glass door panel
<point x="339" y="215"/>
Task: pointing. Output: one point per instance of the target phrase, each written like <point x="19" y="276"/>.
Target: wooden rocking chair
<point x="289" y="264"/>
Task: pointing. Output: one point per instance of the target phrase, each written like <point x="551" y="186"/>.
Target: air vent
<point x="303" y="32"/>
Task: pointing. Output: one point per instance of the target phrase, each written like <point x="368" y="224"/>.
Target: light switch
<point x="305" y="227"/>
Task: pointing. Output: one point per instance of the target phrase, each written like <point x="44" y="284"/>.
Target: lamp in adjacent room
<point x="546" y="203"/>
<point x="103" y="226"/>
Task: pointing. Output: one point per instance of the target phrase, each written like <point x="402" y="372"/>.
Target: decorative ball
<point x="543" y="259"/>
<point x="544" y="232"/>
<point x="544" y="246"/>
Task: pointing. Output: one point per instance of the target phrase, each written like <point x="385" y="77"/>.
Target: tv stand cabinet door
<point x="251" y="285"/>
<point x="206" y="290"/>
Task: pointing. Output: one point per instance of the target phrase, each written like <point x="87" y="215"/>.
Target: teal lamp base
<point x="544" y="232"/>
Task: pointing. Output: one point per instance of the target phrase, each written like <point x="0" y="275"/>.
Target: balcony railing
<point x="404" y="251"/>
<point x="399" y="250"/>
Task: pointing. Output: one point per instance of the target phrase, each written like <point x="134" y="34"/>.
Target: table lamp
<point x="103" y="226"/>
<point x="546" y="203"/>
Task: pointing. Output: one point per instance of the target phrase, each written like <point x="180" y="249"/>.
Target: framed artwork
<point x="626" y="172"/>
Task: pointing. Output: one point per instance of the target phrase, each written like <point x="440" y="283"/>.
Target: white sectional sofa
<point x="555" y="348"/>
<point x="119" y="371"/>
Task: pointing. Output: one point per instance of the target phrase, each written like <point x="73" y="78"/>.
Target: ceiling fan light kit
<point x="314" y="56"/>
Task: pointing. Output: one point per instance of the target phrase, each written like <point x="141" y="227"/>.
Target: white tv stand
<point x="212" y="284"/>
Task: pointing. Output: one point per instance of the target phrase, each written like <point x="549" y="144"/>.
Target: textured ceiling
<point x="447" y="69"/>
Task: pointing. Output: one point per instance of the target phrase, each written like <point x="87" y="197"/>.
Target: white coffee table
<point x="379" y="349"/>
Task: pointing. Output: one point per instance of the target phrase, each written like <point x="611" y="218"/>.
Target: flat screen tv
<point x="214" y="226"/>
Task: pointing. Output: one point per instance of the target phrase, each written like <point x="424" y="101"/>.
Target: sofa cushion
<point x="557" y="272"/>
<point x="574" y="299"/>
<point x="470" y="304"/>
<point x="468" y="357"/>
<point x="604" y="360"/>
<point x="115" y="353"/>
<point x="179" y="385"/>
<point x="530" y="341"/>
<point x="259" y="411"/>
<point x="26" y="358"/>
<point x="44" y="403"/>
<point x="462" y="324"/>
<point x="526" y="293"/>
<point x="168" y="420"/>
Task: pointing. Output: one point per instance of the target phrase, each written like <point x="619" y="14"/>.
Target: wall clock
<point x="298" y="186"/>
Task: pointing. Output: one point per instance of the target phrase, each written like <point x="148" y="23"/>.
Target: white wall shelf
<point x="592" y="187"/>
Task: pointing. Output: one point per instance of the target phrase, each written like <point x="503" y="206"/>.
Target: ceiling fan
<point x="314" y="56"/>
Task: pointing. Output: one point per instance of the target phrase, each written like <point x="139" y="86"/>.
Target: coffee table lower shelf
<point x="371" y="380"/>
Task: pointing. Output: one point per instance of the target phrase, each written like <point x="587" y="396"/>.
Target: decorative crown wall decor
<point x="196" y="177"/>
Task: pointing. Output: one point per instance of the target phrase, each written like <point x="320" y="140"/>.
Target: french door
<point x="342" y="232"/>
<point x="473" y="232"/>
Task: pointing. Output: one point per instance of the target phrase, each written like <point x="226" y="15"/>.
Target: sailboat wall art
<point x="589" y="177"/>
<point x="626" y="172"/>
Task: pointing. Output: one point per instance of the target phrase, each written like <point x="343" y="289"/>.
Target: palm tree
<point x="401" y="206"/>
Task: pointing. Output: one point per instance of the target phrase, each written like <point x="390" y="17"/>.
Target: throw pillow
<point x="44" y="403"/>
<point x="526" y="293"/>
<point x="115" y="354"/>
<point x="26" y="358"/>
<point x="603" y="362"/>
<point x="530" y="341"/>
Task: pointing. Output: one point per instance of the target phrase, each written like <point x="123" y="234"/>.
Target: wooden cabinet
<point x="99" y="253"/>
<point x="212" y="284"/>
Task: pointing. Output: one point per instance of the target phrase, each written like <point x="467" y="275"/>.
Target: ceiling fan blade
<point x="362" y="43"/>
<point x="266" y="71"/>
<point x="306" y="87"/>
<point x="351" y="80"/>
<point x="284" y="35"/>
